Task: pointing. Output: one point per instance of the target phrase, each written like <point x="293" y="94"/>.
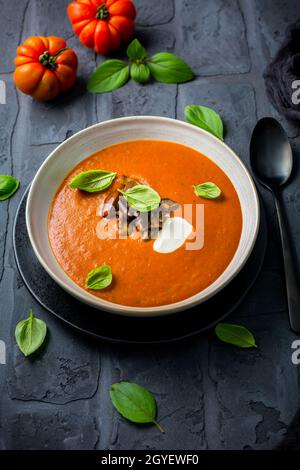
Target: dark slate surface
<point x="210" y="396"/>
<point x="213" y="36"/>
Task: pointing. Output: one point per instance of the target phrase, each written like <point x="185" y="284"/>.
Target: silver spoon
<point x="272" y="162"/>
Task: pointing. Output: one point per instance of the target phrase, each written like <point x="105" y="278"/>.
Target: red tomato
<point x="45" y="66"/>
<point x="102" y="24"/>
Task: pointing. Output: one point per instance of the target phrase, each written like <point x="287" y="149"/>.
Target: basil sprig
<point x="134" y="403"/>
<point x="205" y="118"/>
<point x="93" y="181"/>
<point x="99" y="278"/>
<point x="235" y="334"/>
<point x="207" y="190"/>
<point x="142" y="198"/>
<point x="140" y="73"/>
<point x="110" y="75"/>
<point x="30" y="334"/>
<point x="163" y="67"/>
<point x="8" y="186"/>
<point x="168" y="68"/>
<point x="136" y="52"/>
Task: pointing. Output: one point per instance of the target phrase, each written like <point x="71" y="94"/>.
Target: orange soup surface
<point x="141" y="276"/>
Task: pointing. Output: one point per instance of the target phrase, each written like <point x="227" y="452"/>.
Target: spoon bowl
<point x="270" y="153"/>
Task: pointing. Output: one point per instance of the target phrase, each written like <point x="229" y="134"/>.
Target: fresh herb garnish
<point x="142" y="198"/>
<point x="207" y="190"/>
<point x="164" y="67"/>
<point x="8" y="186"/>
<point x="134" y="403"/>
<point x="236" y="335"/>
<point x="168" y="68"/>
<point x="205" y="118"/>
<point x="30" y="334"/>
<point x="109" y="76"/>
<point x="93" y="181"/>
<point x="136" y="52"/>
<point x="140" y="73"/>
<point x="99" y="278"/>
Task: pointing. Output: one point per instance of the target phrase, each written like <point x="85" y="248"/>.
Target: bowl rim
<point x="98" y="303"/>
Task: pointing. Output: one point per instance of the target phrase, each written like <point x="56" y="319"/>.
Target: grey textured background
<point x="210" y="396"/>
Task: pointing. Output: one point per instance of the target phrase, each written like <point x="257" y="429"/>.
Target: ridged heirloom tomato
<point x="45" y="66"/>
<point x="102" y="24"/>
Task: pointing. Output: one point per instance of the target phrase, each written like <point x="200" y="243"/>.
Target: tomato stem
<point x="48" y="60"/>
<point x="102" y="12"/>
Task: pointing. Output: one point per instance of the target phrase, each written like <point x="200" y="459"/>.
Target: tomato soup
<point x="143" y="277"/>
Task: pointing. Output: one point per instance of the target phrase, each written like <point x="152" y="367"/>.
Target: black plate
<point x="104" y="325"/>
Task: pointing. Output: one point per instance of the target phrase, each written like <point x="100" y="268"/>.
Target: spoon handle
<point x="292" y="284"/>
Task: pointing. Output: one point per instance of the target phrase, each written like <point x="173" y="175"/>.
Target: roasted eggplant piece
<point x="150" y="223"/>
<point x="129" y="220"/>
<point x="169" y="206"/>
<point x="110" y="207"/>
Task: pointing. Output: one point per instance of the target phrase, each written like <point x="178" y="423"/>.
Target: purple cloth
<point x="282" y="72"/>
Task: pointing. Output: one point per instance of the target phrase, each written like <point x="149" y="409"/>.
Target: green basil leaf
<point x="142" y="198"/>
<point x="140" y="73"/>
<point x="208" y="190"/>
<point x="99" y="278"/>
<point x="136" y="51"/>
<point x="93" y="181"/>
<point x="110" y="75"/>
<point x="8" y="186"/>
<point x="134" y="403"/>
<point x="30" y="334"/>
<point x="236" y="335"/>
<point x="205" y="118"/>
<point x="168" y="68"/>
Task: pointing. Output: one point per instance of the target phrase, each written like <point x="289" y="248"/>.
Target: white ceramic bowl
<point x="84" y="143"/>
